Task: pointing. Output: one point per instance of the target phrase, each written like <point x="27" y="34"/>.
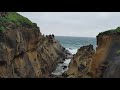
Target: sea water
<point x="72" y="44"/>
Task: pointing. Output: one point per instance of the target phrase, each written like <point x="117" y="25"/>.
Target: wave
<point x="59" y="69"/>
<point x="73" y="51"/>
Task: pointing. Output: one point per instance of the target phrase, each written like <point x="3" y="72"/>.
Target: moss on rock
<point x="15" y="18"/>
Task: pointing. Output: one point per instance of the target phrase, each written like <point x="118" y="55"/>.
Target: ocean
<point x="74" y="43"/>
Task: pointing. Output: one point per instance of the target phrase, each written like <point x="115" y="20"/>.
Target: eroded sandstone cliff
<point x="102" y="63"/>
<point x="80" y="65"/>
<point x="24" y="51"/>
<point x="107" y="55"/>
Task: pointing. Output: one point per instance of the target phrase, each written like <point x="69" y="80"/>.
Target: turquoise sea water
<point x="74" y="43"/>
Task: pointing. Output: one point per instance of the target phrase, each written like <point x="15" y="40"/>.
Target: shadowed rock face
<point x="81" y="63"/>
<point x="106" y="60"/>
<point x="104" y="63"/>
<point x="112" y="69"/>
<point x="26" y="53"/>
<point x="113" y="59"/>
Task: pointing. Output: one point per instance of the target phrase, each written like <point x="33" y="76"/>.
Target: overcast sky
<point x="83" y="24"/>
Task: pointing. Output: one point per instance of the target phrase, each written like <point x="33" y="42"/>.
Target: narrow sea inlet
<point x="72" y="44"/>
<point x="62" y="67"/>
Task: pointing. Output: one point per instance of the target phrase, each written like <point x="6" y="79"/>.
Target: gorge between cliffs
<point x="27" y="53"/>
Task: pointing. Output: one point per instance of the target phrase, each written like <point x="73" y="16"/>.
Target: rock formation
<point x="102" y="63"/>
<point x="81" y="63"/>
<point x="106" y="59"/>
<point x="24" y="51"/>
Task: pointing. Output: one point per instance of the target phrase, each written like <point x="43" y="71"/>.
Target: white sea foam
<point x="72" y="44"/>
<point x="59" y="70"/>
<point x="73" y="51"/>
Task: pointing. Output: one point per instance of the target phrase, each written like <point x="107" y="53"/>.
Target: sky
<point x="80" y="24"/>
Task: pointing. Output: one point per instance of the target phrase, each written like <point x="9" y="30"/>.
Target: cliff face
<point x="104" y="63"/>
<point x="80" y="65"/>
<point x="102" y="52"/>
<point x="107" y="56"/>
<point x="24" y="51"/>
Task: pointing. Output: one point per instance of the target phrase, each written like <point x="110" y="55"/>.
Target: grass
<point x="15" y="18"/>
<point x="108" y="32"/>
<point x="3" y="20"/>
<point x="112" y="31"/>
<point x="2" y="29"/>
<point x="18" y="19"/>
<point x="117" y="29"/>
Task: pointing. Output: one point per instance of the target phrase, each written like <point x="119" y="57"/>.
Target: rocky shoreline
<point x="62" y="66"/>
<point x="26" y="53"/>
<point x="104" y="62"/>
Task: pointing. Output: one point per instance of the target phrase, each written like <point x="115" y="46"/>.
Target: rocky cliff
<point x="102" y="63"/>
<point x="24" y="51"/>
<point x="80" y="65"/>
<point x="106" y="59"/>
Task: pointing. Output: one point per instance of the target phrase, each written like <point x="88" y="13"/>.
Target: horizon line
<point x="74" y="36"/>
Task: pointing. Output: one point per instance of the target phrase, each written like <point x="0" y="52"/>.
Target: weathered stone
<point x="81" y="62"/>
<point x="26" y="53"/>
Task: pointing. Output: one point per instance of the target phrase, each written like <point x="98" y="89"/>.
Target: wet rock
<point x="64" y="67"/>
<point x="61" y="62"/>
<point x="65" y="75"/>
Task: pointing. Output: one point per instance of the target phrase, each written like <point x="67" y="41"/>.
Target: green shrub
<point x="3" y="20"/>
<point x="108" y="31"/>
<point x="117" y="29"/>
<point x="2" y="29"/>
<point x="15" y="18"/>
<point x="112" y="31"/>
<point x="18" y="19"/>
